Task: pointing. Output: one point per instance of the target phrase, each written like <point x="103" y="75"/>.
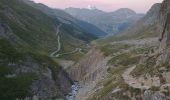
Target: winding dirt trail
<point x="130" y="80"/>
<point x="71" y="52"/>
<point x="139" y="82"/>
<point x="56" y="53"/>
<point x="58" y="41"/>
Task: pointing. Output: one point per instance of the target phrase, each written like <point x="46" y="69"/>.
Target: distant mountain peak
<point x="109" y="22"/>
<point x="90" y="7"/>
<point x="125" y="10"/>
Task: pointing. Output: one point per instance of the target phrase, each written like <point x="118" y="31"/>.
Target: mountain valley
<point x="70" y="54"/>
<point x="110" y="22"/>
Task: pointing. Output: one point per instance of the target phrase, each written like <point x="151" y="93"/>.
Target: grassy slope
<point x="19" y="86"/>
<point x="119" y="62"/>
<point x="31" y="25"/>
<point x="37" y="30"/>
<point x="142" y="35"/>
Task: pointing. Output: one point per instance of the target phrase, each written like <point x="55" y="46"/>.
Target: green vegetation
<point x="116" y="70"/>
<point x="18" y="86"/>
<point x="24" y="22"/>
<point x="124" y="59"/>
<point x="145" y="33"/>
<point x="37" y="30"/>
<point x="30" y="36"/>
<point x="113" y="81"/>
<point x="102" y="93"/>
<point x="109" y="49"/>
<point x="147" y="67"/>
<point x="8" y="52"/>
<point x="74" y="56"/>
<point x="15" y="87"/>
<point x="4" y="70"/>
<point x="154" y="88"/>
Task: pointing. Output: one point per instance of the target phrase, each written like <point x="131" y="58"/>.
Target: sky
<point x="140" y="6"/>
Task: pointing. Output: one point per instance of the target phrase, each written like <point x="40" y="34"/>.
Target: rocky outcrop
<point x="164" y="22"/>
<point x="150" y="95"/>
<point x="89" y="71"/>
<point x="49" y="82"/>
<point x="163" y="56"/>
<point x="90" y="68"/>
<point x="46" y="87"/>
<point x="65" y="82"/>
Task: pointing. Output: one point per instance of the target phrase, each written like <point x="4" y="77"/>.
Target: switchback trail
<point x="58" y="41"/>
<point x="56" y="53"/>
<point x="71" y="52"/>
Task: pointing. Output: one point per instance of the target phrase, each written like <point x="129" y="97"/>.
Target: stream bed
<point x="74" y="90"/>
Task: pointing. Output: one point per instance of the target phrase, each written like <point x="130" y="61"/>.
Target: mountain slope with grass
<point x="146" y="27"/>
<point x="66" y="18"/>
<point x="27" y="38"/>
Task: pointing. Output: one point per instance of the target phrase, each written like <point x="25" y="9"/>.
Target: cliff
<point x="91" y="67"/>
<point x="164" y="20"/>
<point x="89" y="71"/>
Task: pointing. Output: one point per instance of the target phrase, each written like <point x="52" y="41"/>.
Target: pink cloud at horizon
<point x="140" y="6"/>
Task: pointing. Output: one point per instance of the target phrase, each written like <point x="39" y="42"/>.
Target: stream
<point x="74" y="91"/>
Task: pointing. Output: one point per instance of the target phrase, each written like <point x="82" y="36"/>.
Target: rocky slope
<point x="138" y="68"/>
<point x="89" y="71"/>
<point x="109" y="22"/>
<point x="164" y="20"/>
<point x="30" y="75"/>
<point x="160" y="57"/>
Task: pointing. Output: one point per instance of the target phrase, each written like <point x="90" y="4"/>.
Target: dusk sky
<point x="140" y="6"/>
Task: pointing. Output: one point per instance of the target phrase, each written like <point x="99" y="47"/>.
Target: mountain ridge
<point x="63" y="16"/>
<point x="110" y="22"/>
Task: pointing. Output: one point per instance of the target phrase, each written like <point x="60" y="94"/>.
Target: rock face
<point x="46" y="87"/>
<point x="164" y="48"/>
<point x="48" y="84"/>
<point x="150" y="95"/>
<point x="91" y="68"/>
<point x="164" y="22"/>
<point x="89" y="71"/>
